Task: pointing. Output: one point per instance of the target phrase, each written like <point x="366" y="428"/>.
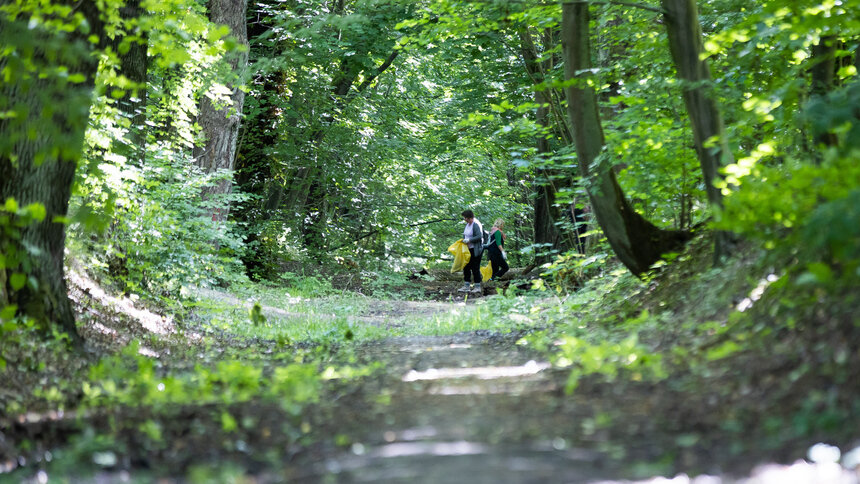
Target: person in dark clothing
<point x="496" y="250"/>
<point x="473" y="236"/>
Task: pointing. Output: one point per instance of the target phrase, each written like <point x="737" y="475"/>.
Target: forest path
<point x="477" y="407"/>
<point x="472" y="407"/>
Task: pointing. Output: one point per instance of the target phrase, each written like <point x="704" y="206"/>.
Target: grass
<point x="311" y="329"/>
<point x="495" y="313"/>
<point x="342" y="317"/>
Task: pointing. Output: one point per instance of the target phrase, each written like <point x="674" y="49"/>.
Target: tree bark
<point x="857" y="58"/>
<point x="220" y="125"/>
<point x="822" y="81"/>
<point x="636" y="242"/>
<point x="133" y="65"/>
<point x="546" y="233"/>
<point x="686" y="46"/>
<point x="39" y="149"/>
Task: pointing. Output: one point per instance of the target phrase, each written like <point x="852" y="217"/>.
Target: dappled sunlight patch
<point x="756" y="293"/>
<point x="439" y="449"/>
<point x="427" y="348"/>
<point x="417" y="433"/>
<point x="143" y="350"/>
<point x="104" y="329"/>
<point x="151" y="322"/>
<point x="800" y="472"/>
<point x="481" y="373"/>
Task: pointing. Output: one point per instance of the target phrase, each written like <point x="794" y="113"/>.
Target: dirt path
<point x="473" y="407"/>
<point x="478" y="408"/>
<point x="465" y="408"/>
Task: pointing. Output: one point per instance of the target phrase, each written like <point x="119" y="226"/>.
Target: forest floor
<point x="412" y="400"/>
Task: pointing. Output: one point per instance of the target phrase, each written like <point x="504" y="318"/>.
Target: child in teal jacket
<point x="496" y="250"/>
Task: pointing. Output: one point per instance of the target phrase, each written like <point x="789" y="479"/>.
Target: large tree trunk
<point x="220" y="125"/>
<point x="636" y="241"/>
<point x="685" y="43"/>
<point x="38" y="166"/>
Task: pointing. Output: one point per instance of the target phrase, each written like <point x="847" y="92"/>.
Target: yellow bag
<point x="461" y="255"/>
<point x="486" y="272"/>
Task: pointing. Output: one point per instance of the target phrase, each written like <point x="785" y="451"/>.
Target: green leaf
<point x="37" y="211"/>
<point x="821" y="271"/>
<point x="11" y="205"/>
<point x="726" y="349"/>
<point x="17" y="281"/>
<point x="228" y="423"/>
<point x="9" y="311"/>
<point x="687" y="440"/>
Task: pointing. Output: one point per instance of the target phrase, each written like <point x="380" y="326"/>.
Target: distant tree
<point x="305" y="111"/>
<point x="548" y="182"/>
<point x="685" y="43"/>
<point x="131" y="48"/>
<point x="637" y="242"/>
<point x="220" y="124"/>
<point x="822" y="74"/>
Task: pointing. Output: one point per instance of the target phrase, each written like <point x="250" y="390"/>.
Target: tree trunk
<point x="133" y="65"/>
<point x="823" y="69"/>
<point x="220" y="125"/>
<point x="685" y="43"/>
<point x="822" y="81"/>
<point x="857" y="58"/>
<point x="39" y="167"/>
<point x="636" y="241"/>
<point x="546" y="233"/>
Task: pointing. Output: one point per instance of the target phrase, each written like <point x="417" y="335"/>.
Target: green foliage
<point x="607" y="359"/>
<point x="571" y="269"/>
<point x="162" y="238"/>
<point x="15" y="252"/>
<point x="16" y="264"/>
<point x="326" y="181"/>
<point x="303" y="286"/>
<point x="385" y="284"/>
<point x="133" y="380"/>
<point x="800" y="208"/>
<point x="648" y="133"/>
<point x="46" y="53"/>
<point x="138" y="196"/>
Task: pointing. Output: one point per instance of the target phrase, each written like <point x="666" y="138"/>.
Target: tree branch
<point x="379" y="70"/>
<point x="376" y="231"/>
<point x="617" y="2"/>
<point x="607" y="2"/>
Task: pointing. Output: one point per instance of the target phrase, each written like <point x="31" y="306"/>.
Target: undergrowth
<point x="766" y="352"/>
